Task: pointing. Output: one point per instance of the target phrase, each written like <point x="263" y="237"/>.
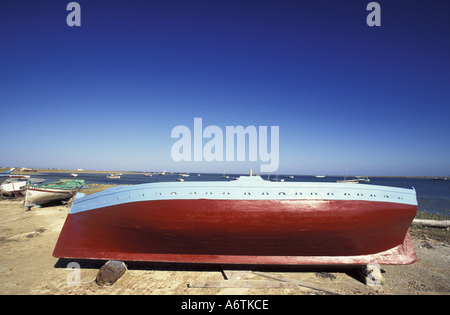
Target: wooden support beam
<point x="250" y="284"/>
<point x="432" y="223"/>
<point x="296" y="282"/>
<point x="236" y="279"/>
<point x="235" y="274"/>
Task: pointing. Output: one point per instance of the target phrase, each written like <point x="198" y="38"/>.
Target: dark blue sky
<point x="107" y="94"/>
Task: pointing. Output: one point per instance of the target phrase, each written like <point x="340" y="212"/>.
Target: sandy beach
<point x="27" y="239"/>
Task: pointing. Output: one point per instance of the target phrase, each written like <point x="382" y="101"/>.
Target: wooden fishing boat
<point x="49" y="192"/>
<point x="13" y="186"/>
<point x="246" y="221"/>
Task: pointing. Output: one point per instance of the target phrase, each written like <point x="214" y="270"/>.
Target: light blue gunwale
<point x="245" y="188"/>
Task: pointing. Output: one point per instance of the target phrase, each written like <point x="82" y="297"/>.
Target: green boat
<point x="39" y="194"/>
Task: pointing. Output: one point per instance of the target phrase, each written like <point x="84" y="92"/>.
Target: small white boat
<point x="113" y="176"/>
<point x="319" y="176"/>
<point x="364" y="179"/>
<point x="74" y="175"/>
<point x="349" y="181"/>
<point x="49" y="192"/>
<point x="14" y="185"/>
<point x="19" y="176"/>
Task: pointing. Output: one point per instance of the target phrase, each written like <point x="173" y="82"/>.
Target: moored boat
<point x="349" y="181"/>
<point x="5" y="175"/>
<point x="49" y="192"/>
<point x="14" y="185"/>
<point x="363" y="179"/>
<point x="20" y="176"/>
<point x="247" y="221"/>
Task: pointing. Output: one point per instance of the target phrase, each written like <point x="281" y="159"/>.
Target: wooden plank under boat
<point x="247" y="221"/>
<point x="49" y="192"/>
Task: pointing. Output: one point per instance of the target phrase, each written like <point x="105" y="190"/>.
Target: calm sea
<point x="433" y="195"/>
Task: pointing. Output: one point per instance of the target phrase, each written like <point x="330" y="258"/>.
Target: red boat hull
<point x="242" y="232"/>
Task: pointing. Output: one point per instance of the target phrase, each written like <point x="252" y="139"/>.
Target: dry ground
<point x="27" y="239"/>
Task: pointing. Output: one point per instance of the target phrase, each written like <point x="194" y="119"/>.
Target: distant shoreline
<point x="44" y="170"/>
